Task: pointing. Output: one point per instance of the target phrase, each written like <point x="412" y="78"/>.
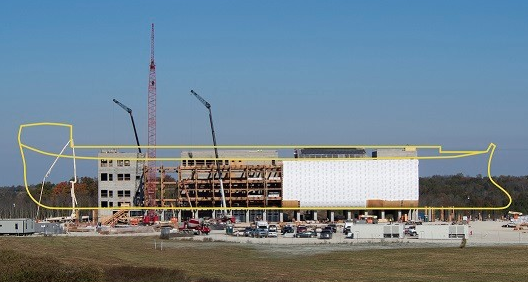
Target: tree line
<point x="465" y="191"/>
<point x="15" y="201"/>
<point x="438" y="191"/>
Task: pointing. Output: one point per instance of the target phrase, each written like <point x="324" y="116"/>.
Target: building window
<point x="104" y="176"/>
<point x="110" y="177"/>
<point x="120" y="193"/>
<point x="110" y="194"/>
<point x="127" y="162"/>
<point x="119" y="162"/>
<point x="104" y="193"/>
<point x="110" y="163"/>
<point x="127" y="193"/>
<point x="104" y="163"/>
<point x="16" y="226"/>
<point x="121" y="177"/>
<point x="104" y="204"/>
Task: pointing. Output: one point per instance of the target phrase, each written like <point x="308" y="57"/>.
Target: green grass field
<point x="135" y="259"/>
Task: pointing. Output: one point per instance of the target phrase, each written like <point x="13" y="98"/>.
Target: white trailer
<point x="17" y="226"/>
<point x="436" y="232"/>
<point x="375" y="231"/>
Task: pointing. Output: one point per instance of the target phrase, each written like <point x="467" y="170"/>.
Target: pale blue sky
<point x="452" y="73"/>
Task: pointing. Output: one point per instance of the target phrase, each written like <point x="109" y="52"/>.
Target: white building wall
<point x="349" y="183"/>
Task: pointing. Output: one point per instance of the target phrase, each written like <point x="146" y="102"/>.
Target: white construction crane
<point x="73" y="215"/>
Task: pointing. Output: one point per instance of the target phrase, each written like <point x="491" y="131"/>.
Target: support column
<point x="349" y="215"/>
<point x="195" y="214"/>
<point x="332" y="216"/>
<point x="179" y="213"/>
<point x="281" y="217"/>
<point x="399" y="215"/>
<point x="382" y="214"/>
<point x="264" y="216"/>
<point x="247" y="216"/>
<point x="315" y="215"/>
<point x="298" y="215"/>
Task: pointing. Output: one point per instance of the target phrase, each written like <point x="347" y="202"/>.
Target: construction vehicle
<point x="139" y="198"/>
<point x="217" y="161"/>
<point x="196" y="226"/>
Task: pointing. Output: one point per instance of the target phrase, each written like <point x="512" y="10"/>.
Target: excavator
<point x="139" y="197"/>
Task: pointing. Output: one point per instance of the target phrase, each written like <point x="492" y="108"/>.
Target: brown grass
<point x="135" y="259"/>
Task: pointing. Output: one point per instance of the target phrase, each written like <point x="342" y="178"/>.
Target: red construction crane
<point x="151" y="152"/>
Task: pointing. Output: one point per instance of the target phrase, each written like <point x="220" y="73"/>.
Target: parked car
<point x="328" y="228"/>
<point x="248" y="231"/>
<point x="272" y="231"/>
<point x="306" y="234"/>
<point x="412" y="231"/>
<point x="326" y="234"/>
<point x="510" y="225"/>
<point x="301" y="228"/>
<point x="260" y="232"/>
<point x="287" y="229"/>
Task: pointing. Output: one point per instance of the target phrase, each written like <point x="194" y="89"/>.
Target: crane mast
<point x="217" y="161"/>
<point x="151" y="152"/>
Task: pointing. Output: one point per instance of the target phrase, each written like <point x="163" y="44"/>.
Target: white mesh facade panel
<point x="349" y="183"/>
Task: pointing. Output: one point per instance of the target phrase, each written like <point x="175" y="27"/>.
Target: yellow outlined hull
<point x="442" y="154"/>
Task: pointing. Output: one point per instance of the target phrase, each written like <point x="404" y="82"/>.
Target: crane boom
<point x="140" y="193"/>
<point x="129" y="111"/>
<point x="208" y="106"/>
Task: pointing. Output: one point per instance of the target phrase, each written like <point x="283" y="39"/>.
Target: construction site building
<point x="251" y="179"/>
<point x="119" y="176"/>
<point x="247" y="183"/>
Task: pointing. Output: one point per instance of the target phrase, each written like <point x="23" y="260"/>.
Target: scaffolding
<point x="244" y="186"/>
